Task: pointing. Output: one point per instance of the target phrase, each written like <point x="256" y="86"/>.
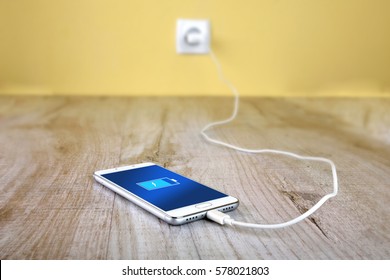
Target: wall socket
<point x="193" y="36"/>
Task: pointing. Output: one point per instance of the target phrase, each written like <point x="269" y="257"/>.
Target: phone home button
<point x="203" y="205"/>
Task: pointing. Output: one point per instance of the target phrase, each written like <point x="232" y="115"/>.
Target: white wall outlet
<point x="193" y="36"/>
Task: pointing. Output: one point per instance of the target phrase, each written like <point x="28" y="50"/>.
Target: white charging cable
<point x="223" y="218"/>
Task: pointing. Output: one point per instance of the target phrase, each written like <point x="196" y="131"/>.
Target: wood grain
<point x="51" y="208"/>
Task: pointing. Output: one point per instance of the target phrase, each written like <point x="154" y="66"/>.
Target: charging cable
<point x="225" y="219"/>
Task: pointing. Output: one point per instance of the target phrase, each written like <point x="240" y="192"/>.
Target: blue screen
<point x="163" y="188"/>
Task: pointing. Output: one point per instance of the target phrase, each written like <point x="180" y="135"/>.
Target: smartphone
<point x="171" y="197"/>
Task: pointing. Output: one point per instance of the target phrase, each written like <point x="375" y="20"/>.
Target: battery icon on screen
<point x="158" y="183"/>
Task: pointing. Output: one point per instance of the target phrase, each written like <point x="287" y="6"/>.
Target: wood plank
<point x="49" y="150"/>
<point x="52" y="209"/>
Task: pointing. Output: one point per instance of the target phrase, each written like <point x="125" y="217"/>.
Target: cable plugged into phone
<point x="224" y="219"/>
<point x="219" y="217"/>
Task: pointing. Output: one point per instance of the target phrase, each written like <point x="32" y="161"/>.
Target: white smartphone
<point x="173" y="198"/>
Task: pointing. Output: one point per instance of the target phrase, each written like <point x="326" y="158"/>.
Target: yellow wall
<point x="267" y="47"/>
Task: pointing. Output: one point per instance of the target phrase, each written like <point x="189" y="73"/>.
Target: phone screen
<point x="163" y="188"/>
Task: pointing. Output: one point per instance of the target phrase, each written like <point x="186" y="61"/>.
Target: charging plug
<point x="219" y="217"/>
<point x="193" y="36"/>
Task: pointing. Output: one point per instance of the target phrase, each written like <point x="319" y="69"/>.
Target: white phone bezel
<point x="176" y="216"/>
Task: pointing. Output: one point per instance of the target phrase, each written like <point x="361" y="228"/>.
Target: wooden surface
<point x="51" y="208"/>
